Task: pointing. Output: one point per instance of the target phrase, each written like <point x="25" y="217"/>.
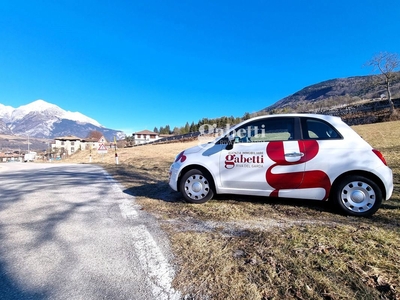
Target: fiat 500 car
<point x="304" y="156"/>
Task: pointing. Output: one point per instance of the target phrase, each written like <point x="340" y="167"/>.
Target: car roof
<point x="318" y="116"/>
<point x="334" y="120"/>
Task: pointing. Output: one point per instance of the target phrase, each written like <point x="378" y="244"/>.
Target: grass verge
<point x="238" y="247"/>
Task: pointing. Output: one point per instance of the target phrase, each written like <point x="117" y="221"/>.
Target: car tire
<point x="196" y="186"/>
<point x="357" y="196"/>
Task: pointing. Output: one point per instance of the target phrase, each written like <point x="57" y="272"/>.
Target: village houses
<point x="145" y="136"/>
<point x="70" y="144"/>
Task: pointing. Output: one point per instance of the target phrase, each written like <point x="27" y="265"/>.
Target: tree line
<point x="194" y="127"/>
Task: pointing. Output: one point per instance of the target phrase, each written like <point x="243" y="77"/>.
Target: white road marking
<point x="153" y="262"/>
<point x="151" y="258"/>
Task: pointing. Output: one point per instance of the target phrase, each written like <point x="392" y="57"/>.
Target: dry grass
<point x="238" y="247"/>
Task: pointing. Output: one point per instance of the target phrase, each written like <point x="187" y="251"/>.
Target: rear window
<point x="316" y="129"/>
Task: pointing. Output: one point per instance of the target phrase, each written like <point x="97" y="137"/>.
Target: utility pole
<point x="115" y="149"/>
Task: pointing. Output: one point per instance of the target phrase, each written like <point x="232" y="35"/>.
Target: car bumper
<point x="173" y="177"/>
<point x="388" y="182"/>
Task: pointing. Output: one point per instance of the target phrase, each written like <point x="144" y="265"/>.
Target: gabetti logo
<point x="244" y="159"/>
<point x="210" y="132"/>
<point x="241" y="132"/>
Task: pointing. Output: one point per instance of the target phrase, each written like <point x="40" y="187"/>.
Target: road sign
<point x="102" y="149"/>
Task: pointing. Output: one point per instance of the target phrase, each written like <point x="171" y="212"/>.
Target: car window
<point x="266" y="130"/>
<point x="318" y="129"/>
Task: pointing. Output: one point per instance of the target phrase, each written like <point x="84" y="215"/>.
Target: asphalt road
<point x="70" y="232"/>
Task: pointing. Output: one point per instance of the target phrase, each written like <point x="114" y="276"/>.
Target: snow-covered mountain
<point x="45" y="120"/>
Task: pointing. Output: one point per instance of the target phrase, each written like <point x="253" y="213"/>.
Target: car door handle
<point x="294" y="154"/>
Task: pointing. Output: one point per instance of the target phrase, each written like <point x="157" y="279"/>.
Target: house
<point x="10" y="157"/>
<point x="66" y="145"/>
<point x="144" y="136"/>
<point x="70" y="144"/>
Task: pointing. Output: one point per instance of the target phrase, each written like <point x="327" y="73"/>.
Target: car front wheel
<point x="196" y="186"/>
<point x="357" y="196"/>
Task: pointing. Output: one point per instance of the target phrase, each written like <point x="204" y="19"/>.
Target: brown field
<point x="238" y="247"/>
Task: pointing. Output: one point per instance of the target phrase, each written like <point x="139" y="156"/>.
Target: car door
<point x="266" y="157"/>
<point x="321" y="143"/>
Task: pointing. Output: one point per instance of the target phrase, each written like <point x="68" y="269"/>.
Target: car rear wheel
<point x="196" y="186"/>
<point x="357" y="196"/>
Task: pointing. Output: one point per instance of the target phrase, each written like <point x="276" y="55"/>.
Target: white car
<point x="304" y="156"/>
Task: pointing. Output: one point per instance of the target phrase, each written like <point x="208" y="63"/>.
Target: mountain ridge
<point x="42" y="119"/>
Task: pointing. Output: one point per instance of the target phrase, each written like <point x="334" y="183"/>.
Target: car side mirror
<point x="230" y="141"/>
<point x="229" y="146"/>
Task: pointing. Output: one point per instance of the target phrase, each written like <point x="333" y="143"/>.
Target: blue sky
<point x="135" y="65"/>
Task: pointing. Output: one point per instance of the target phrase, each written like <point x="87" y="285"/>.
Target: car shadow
<point x="160" y="191"/>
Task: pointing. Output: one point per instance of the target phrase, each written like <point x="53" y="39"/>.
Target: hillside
<point x="337" y="91"/>
<point x="14" y="142"/>
<point x="357" y="100"/>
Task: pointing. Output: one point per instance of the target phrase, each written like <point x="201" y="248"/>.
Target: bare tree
<point x="94" y="134"/>
<point x="386" y="63"/>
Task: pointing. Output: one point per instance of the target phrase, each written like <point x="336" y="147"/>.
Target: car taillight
<point x="380" y="155"/>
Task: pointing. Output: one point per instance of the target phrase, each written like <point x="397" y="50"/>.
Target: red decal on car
<point x="181" y="157"/>
<point x="295" y="180"/>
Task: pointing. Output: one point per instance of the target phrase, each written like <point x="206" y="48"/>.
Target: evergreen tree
<point x="246" y="116"/>
<point x="193" y="127"/>
<point x="167" y="129"/>
<point x="187" y="128"/>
